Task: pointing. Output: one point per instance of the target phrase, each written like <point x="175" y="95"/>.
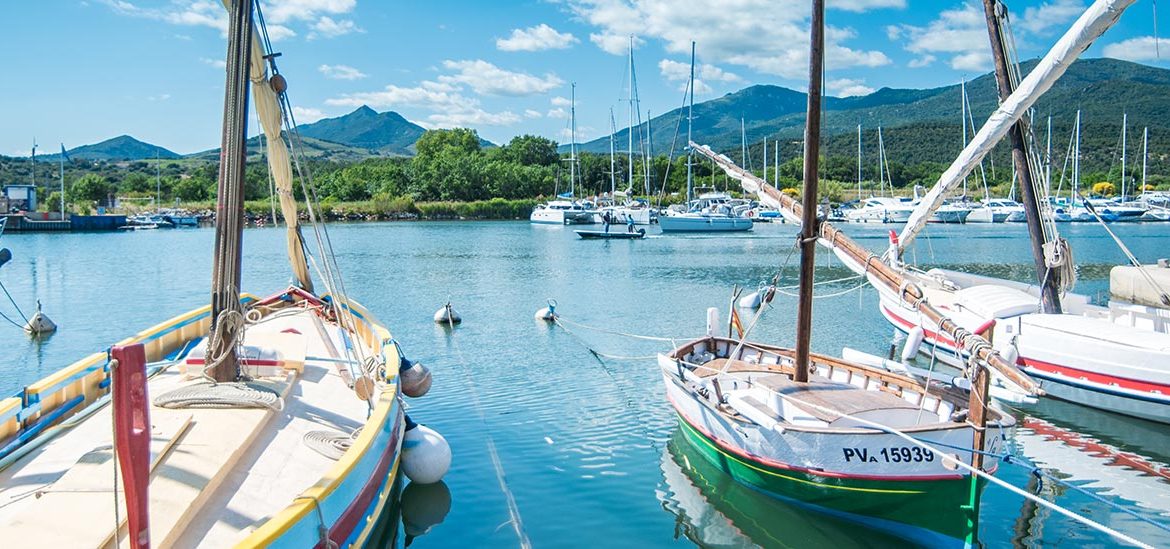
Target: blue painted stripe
<point x="36" y="397"/>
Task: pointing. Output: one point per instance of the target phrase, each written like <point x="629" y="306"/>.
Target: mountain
<point x="387" y="133"/>
<point x="122" y="147"/>
<point x="923" y="125"/>
<point x="317" y="149"/>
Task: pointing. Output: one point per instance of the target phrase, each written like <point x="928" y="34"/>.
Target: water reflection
<point x="713" y="510"/>
<point x="424" y="506"/>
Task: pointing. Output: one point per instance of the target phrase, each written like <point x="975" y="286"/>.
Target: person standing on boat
<point x="629" y="223"/>
<point x="606" y="219"/>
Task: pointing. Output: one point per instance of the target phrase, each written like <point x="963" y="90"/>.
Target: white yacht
<point x="562" y="212"/>
<point x="995" y="210"/>
<point x="880" y="209"/>
<point x="711" y="212"/>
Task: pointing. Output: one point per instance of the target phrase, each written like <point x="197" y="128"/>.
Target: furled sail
<point x="879" y="274"/>
<point x="1097" y="19"/>
<point x="279" y="163"/>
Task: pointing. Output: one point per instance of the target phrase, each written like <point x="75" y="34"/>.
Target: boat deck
<point x="216" y="473"/>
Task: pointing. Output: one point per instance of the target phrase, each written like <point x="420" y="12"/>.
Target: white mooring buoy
<point x="447" y="315"/>
<point x="40" y="324"/>
<point x="548" y="314"/>
<point x="426" y="456"/>
<point x="750" y="301"/>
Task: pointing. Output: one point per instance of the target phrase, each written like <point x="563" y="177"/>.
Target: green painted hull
<point x="933" y="512"/>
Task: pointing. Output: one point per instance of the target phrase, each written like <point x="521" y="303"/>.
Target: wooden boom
<point x="876" y="270"/>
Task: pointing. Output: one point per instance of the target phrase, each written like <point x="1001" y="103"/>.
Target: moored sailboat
<point x="253" y="421"/>
<point x="841" y="437"/>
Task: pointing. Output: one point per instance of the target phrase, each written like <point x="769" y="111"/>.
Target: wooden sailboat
<point x="844" y="438"/>
<point x="1114" y="358"/>
<point x="253" y="421"/>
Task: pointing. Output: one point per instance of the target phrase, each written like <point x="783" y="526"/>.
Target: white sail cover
<point x="1102" y="15"/>
<point x="279" y="165"/>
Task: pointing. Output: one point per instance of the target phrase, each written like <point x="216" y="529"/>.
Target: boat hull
<point x="703" y="224"/>
<point x="611" y="235"/>
<point x="923" y="508"/>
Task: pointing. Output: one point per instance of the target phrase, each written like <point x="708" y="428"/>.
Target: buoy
<point x="447" y="315"/>
<point x="712" y="321"/>
<point x="548" y="314"/>
<point x="913" y="342"/>
<point x="1009" y="353"/>
<point x="424" y="506"/>
<point x="426" y="456"/>
<point x="415" y="378"/>
<point x="751" y="301"/>
<point x="40" y="324"/>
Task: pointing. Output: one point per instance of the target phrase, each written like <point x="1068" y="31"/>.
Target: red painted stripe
<point x="787" y="467"/>
<point x="356" y="511"/>
<point x="1110" y="455"/>
<point x="1094" y="377"/>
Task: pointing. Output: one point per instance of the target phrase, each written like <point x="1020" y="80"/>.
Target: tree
<point x="531" y="150"/>
<point x="1104" y="188"/>
<point x="433" y="141"/>
<point x="90" y="187"/>
<point x="136" y="182"/>
<point x="191" y="188"/>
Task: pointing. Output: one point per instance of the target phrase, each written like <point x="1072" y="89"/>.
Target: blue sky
<point x="82" y="71"/>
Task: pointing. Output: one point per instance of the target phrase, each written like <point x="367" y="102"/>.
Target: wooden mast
<point x="229" y="215"/>
<point x="808" y="218"/>
<point x="1050" y="282"/>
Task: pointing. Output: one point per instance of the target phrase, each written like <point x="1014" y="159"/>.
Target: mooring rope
<point x="331" y="444"/>
<point x="958" y="463"/>
<point x="221" y="395"/>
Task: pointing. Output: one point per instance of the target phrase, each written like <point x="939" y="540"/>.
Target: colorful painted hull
<point x="936" y="513"/>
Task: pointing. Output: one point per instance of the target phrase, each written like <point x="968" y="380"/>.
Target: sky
<point x="78" y="72"/>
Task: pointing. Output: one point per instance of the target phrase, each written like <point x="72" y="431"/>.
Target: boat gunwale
<point x="995" y="419"/>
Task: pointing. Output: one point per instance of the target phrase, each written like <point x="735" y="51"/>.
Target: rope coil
<point x="221" y="395"/>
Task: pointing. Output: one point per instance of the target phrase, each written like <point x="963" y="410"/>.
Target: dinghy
<point x="612" y="235"/>
<point x="253" y="421"/>
<point x="844" y="438"/>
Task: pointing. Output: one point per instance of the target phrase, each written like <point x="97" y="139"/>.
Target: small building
<point x="21" y="197"/>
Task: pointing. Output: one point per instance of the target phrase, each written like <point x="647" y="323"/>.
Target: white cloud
<point x="959" y="33"/>
<point x="216" y="63"/>
<point x="728" y="31"/>
<point x="529" y="113"/>
<point x="329" y="28"/>
<point x="487" y="79"/>
<point x="864" y="5"/>
<point x="557" y="113"/>
<point x="559" y="101"/>
<point x="306" y="115"/>
<point x="566" y="134"/>
<point x="1141" y="48"/>
<point x="1057" y="13"/>
<point x="848" y="87"/>
<point x="341" y="72"/>
<point x="159" y="97"/>
<point x="675" y="71"/>
<point x="538" y="38"/>
<point x="448" y="105"/>
<point x="317" y="15"/>
<point x="471" y="117"/>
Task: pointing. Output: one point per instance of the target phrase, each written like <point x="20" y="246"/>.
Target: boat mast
<point x="1048" y="158"/>
<point x="963" y="98"/>
<point x="775" y="162"/>
<point x="630" y="135"/>
<point x="993" y="10"/>
<point x="1076" y="184"/>
<point x="765" y="158"/>
<point x="33" y="163"/>
<point x="62" y="182"/>
<point x="690" y="119"/>
<point x="225" y="276"/>
<point x="573" y="139"/>
<point x="649" y="150"/>
<point x="157" y="182"/>
<point x="809" y="228"/>
<point x="612" y="166"/>
<point x="859" y="162"/>
<point x="1124" y="123"/>
<point x="1145" y="150"/>
<point x="743" y="144"/>
<point x="882" y="165"/>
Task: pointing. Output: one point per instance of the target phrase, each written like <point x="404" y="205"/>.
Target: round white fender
<point x="415" y="379"/>
<point x="913" y="342"/>
<point x="426" y="456"/>
<point x="750" y="301"/>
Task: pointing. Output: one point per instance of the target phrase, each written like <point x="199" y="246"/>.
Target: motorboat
<point x="995" y="210"/>
<point x="563" y="212"/>
<point x="711" y="212"/>
<point x="880" y="209"/>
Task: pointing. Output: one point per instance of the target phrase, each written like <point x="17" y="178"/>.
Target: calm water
<point x="587" y="450"/>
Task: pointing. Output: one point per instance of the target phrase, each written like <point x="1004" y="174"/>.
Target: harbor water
<point x="557" y="446"/>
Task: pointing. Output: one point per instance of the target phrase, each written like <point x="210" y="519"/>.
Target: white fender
<point x="913" y="342"/>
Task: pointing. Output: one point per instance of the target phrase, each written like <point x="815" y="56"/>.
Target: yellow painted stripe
<point x="750" y="465"/>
